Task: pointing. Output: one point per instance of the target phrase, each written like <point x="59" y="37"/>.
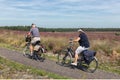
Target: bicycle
<point x="38" y="52"/>
<point x="64" y="58"/>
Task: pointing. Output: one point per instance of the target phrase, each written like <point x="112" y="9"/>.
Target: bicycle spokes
<point x="92" y="66"/>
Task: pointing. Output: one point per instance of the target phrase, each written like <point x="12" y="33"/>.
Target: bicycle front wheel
<point x="93" y="65"/>
<point x="26" y="51"/>
<point x="64" y="58"/>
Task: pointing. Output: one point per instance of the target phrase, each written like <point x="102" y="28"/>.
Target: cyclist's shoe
<point x="75" y="64"/>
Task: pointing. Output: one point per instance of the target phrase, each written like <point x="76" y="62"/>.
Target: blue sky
<point x="60" y="13"/>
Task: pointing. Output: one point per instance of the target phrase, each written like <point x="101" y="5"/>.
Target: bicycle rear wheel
<point x="41" y="55"/>
<point x="93" y="65"/>
<point x="64" y="58"/>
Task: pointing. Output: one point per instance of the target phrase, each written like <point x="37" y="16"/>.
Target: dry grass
<point x="108" y="51"/>
<point x="108" y="54"/>
<point x="54" y="43"/>
<point x="12" y="39"/>
<point x="104" y="45"/>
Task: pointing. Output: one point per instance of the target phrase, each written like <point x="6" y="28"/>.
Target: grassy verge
<point x="14" y="68"/>
<point x="107" y="66"/>
<point x="8" y="46"/>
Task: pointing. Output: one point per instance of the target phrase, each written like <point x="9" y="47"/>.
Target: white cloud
<point x="62" y="6"/>
<point x="66" y="9"/>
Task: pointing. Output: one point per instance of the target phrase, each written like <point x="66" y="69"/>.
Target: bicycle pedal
<point x="72" y="67"/>
<point x="57" y="62"/>
<point x="42" y="60"/>
<point x="29" y="56"/>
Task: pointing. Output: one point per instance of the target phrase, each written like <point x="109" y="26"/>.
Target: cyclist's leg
<point x="31" y="49"/>
<point x="32" y="46"/>
<point x="33" y="41"/>
<point x="77" y="52"/>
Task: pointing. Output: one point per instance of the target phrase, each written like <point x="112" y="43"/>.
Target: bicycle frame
<point x="66" y="60"/>
<point x="38" y="51"/>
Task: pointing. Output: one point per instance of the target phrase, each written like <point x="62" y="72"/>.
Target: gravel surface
<point x="51" y="66"/>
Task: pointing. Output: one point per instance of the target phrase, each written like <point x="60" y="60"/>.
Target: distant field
<point x="91" y="35"/>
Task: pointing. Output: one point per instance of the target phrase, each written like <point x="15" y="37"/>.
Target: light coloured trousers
<point x="80" y="49"/>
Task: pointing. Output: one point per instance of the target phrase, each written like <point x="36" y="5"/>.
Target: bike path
<point x="51" y="66"/>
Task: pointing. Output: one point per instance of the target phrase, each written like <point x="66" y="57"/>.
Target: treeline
<point x="22" y="28"/>
<point x="27" y="28"/>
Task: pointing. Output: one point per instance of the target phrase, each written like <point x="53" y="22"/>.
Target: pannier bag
<point x="88" y="55"/>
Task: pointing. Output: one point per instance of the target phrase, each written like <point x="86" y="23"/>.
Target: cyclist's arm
<point x="77" y="39"/>
<point x="29" y="33"/>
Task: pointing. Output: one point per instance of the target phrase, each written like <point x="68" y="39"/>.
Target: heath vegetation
<point x="106" y="44"/>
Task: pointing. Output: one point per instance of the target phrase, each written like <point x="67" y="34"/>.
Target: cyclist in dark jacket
<point x="84" y="44"/>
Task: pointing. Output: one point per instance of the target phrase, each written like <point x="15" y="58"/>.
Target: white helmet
<point x="80" y="30"/>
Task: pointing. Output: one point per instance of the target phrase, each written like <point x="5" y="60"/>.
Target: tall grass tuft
<point x="12" y="39"/>
<point x="104" y="45"/>
<point x="53" y="43"/>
